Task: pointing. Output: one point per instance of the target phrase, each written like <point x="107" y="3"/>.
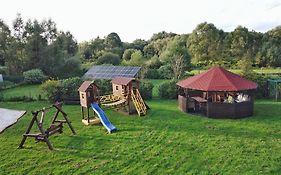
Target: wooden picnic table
<point x="199" y="99"/>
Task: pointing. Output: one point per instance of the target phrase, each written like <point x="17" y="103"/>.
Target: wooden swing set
<point x="56" y="125"/>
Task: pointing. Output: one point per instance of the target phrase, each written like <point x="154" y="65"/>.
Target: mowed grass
<point x="23" y="90"/>
<point x="166" y="141"/>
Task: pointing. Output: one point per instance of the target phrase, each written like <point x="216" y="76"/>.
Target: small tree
<point x="53" y="90"/>
<point x="246" y="67"/>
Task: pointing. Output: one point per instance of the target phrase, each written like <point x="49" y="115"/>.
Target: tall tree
<point x="177" y="56"/>
<point x="203" y="42"/>
<point x="5" y="39"/>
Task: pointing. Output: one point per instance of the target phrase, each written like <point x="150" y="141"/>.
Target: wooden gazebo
<point x="217" y="93"/>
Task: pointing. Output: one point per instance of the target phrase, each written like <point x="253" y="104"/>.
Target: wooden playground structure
<point x="125" y="98"/>
<point x="55" y="127"/>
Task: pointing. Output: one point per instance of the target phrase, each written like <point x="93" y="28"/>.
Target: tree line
<point x="34" y="44"/>
<point x="37" y="45"/>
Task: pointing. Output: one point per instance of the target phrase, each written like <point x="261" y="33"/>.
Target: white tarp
<point x="8" y="117"/>
<point x="1" y="78"/>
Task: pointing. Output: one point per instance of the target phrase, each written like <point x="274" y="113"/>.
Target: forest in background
<point x="40" y="45"/>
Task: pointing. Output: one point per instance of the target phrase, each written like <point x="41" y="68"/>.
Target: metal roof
<point x="110" y="72"/>
<point x="217" y="79"/>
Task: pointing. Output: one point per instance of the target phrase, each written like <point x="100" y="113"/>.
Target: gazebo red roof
<point x="217" y="79"/>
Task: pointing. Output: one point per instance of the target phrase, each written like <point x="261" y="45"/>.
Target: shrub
<point x="168" y="90"/>
<point x="146" y="89"/>
<point x="261" y="80"/>
<point x="52" y="90"/>
<point x="19" y="98"/>
<point x="105" y="86"/>
<point x="165" y="72"/>
<point x="152" y="74"/>
<point x="6" y="84"/>
<point x="34" y="76"/>
<point x="69" y="87"/>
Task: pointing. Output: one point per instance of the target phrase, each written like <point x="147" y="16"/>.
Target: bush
<point x="152" y="74"/>
<point x="105" y="86"/>
<point x="58" y="90"/>
<point x="52" y="90"/>
<point x="18" y="98"/>
<point x="165" y="72"/>
<point x="261" y="80"/>
<point x="34" y="76"/>
<point x="146" y="89"/>
<point x="69" y="87"/>
<point x="168" y="90"/>
<point x="6" y="85"/>
<point x="3" y="70"/>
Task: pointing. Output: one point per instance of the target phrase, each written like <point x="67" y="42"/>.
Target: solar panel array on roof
<point x="110" y="72"/>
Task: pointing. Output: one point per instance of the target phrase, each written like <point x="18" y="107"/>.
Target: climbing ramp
<point x="138" y="102"/>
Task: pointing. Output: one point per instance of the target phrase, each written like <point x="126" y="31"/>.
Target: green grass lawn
<point x="23" y="90"/>
<point x="166" y="141"/>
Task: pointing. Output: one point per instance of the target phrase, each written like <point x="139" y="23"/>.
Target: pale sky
<point x="134" y="19"/>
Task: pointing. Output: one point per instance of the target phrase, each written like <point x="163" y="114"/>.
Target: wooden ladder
<point x="138" y="102"/>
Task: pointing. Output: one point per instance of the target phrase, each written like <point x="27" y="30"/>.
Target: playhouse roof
<point x="121" y="80"/>
<point x="217" y="79"/>
<point x="85" y="85"/>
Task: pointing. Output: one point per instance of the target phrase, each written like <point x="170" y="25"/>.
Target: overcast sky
<point x="132" y="19"/>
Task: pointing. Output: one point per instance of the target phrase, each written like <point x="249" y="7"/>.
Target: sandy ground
<point x="8" y="117"/>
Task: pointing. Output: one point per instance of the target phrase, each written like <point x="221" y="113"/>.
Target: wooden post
<point x="82" y="112"/>
<point x="34" y="114"/>
<point x="276" y="92"/>
<point x="45" y="136"/>
<point x="88" y="113"/>
<point x="129" y="96"/>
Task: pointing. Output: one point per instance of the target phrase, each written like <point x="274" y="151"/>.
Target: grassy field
<point x="24" y="90"/>
<point x="166" y="141"/>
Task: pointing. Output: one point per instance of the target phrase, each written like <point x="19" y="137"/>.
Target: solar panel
<point x="110" y="72"/>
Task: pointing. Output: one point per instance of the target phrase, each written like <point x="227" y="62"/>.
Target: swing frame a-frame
<point x="56" y="125"/>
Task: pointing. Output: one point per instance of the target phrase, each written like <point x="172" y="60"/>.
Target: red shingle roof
<point x="217" y="79"/>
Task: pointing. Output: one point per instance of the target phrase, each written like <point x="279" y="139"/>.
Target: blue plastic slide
<point x="104" y="120"/>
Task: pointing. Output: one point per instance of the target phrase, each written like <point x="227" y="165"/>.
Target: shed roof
<point x="85" y="85"/>
<point x="217" y="79"/>
<point x="122" y="80"/>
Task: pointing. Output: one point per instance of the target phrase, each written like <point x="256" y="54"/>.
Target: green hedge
<point x="58" y="90"/>
<point x="146" y="89"/>
<point x="13" y="78"/>
<point x="168" y="90"/>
